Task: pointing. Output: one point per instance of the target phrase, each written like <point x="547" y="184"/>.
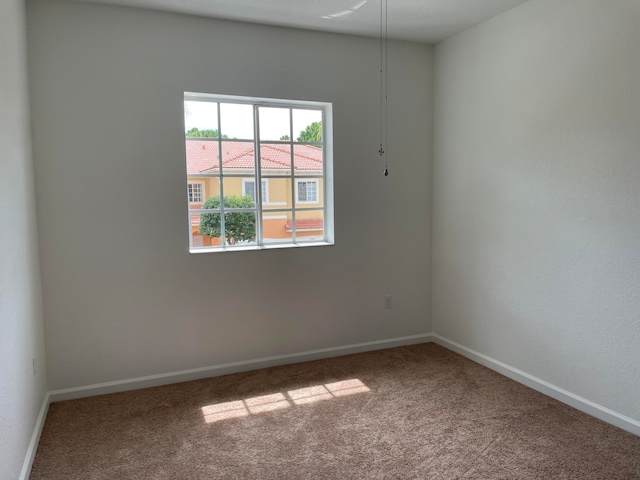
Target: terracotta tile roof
<point x="306" y="224"/>
<point x="202" y="156"/>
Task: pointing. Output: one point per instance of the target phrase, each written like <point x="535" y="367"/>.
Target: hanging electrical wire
<point x="384" y="88"/>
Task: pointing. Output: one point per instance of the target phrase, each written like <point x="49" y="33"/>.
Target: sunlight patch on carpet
<point x="278" y="401"/>
<point x="327" y="391"/>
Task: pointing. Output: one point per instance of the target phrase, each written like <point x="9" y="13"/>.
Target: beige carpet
<point x="419" y="412"/>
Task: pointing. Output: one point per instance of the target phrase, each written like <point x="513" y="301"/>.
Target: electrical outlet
<point x="387" y="302"/>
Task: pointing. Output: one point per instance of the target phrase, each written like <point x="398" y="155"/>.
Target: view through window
<point x="259" y="172"/>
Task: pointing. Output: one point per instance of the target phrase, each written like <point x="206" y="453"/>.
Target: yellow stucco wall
<point x="279" y="191"/>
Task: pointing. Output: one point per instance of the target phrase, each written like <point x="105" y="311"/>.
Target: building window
<point x="249" y="188"/>
<point x="195" y="191"/>
<point x="235" y="145"/>
<point x="307" y="191"/>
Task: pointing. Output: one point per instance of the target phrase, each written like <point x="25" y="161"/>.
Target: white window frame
<point x="265" y="189"/>
<point x="326" y="194"/>
<point x="308" y="180"/>
<point x="202" y="190"/>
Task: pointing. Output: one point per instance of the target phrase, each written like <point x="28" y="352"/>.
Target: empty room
<point x="319" y="239"/>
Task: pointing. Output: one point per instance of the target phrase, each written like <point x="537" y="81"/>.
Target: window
<point x="240" y="147"/>
<point x="249" y="188"/>
<point x="195" y="190"/>
<point x="307" y="191"/>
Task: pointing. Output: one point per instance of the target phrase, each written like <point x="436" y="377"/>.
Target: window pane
<point x="274" y="227"/>
<point x="200" y="119"/>
<point x="307" y="125"/>
<point x="307" y="160"/>
<point x="202" y="156"/>
<point x="275" y="123"/>
<point x="249" y="188"/>
<point x="236" y="121"/>
<point x="276" y="192"/>
<point x="204" y="230"/>
<point x="234" y="189"/>
<point x="207" y="186"/>
<point x="238" y="158"/>
<point x="309" y="225"/>
<point x="275" y="159"/>
<point x="240" y="228"/>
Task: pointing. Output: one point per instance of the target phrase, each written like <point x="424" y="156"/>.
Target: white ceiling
<point x="418" y="20"/>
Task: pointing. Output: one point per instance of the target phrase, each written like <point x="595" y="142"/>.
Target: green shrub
<point x="238" y="226"/>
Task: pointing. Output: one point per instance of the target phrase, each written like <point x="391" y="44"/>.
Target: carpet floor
<point x="417" y="412"/>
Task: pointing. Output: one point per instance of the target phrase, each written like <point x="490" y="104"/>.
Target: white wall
<point x="123" y="297"/>
<point x="537" y="195"/>
<point x="21" y="328"/>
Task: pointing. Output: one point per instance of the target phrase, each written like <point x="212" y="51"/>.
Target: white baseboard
<point x="35" y="439"/>
<point x="575" y="401"/>
<point x="228" y="368"/>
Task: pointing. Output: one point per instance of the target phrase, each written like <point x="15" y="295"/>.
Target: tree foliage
<point x="313" y="133"/>
<point x="238" y="226"/>
<point x="208" y="133"/>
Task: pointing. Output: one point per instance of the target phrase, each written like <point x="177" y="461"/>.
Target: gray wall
<point x="537" y="195"/>
<point x="123" y="297"/>
<point x="21" y="326"/>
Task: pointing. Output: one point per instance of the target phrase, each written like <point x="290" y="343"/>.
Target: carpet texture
<point x="418" y="412"/>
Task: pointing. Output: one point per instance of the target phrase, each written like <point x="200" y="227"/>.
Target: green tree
<point x="207" y="133"/>
<point x="313" y="133"/>
<point x="238" y="226"/>
<point x="284" y="137"/>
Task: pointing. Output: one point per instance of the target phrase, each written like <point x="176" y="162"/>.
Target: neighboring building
<point x="279" y="199"/>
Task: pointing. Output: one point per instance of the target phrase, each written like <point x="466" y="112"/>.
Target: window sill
<point x="244" y="248"/>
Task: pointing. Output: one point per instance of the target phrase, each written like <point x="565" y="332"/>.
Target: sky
<point x="237" y="119"/>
